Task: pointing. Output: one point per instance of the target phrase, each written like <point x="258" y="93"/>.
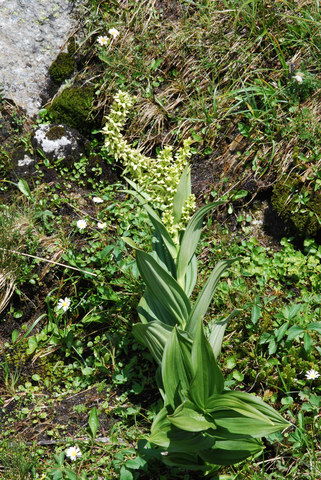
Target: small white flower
<point x="64" y="303"/>
<point x="298" y="78"/>
<point x="102" y="40"/>
<point x="73" y="453"/>
<point x="113" y="32"/>
<point x="97" y="200"/>
<point x="81" y="224"/>
<point x="101" y="225"/>
<point x="312" y="374"/>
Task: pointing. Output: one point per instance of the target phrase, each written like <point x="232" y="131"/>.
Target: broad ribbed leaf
<point x="190" y="276"/>
<point x="188" y="442"/>
<point x="162" y="255"/>
<point x="242" y="413"/>
<point x="176" y="368"/>
<point x="149" y="309"/>
<point x="163" y="287"/>
<point x="217" y="330"/>
<point x="190" y="420"/>
<point x="228" y="452"/>
<point x="160" y="429"/>
<point x="174" y="439"/>
<point x="190" y="240"/>
<point x="154" y="336"/>
<point x="205" y="297"/>
<point x="208" y="379"/>
<point x="187" y="461"/>
<point x="182" y="193"/>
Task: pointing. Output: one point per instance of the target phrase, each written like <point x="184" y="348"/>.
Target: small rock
<point x="25" y="165"/>
<point x="60" y="142"/>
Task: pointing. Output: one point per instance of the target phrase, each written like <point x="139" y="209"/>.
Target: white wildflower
<point x="102" y="40"/>
<point x="101" y="225"/>
<point x="113" y="32"/>
<point x="73" y="453"/>
<point x="64" y="303"/>
<point x="97" y="200"/>
<point x="81" y="224"/>
<point x="312" y="374"/>
<point x="298" y="78"/>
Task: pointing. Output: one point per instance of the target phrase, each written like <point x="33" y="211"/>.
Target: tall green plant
<point x="201" y="425"/>
<point x="158" y="177"/>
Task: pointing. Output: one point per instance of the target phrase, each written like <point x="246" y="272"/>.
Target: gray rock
<point x="59" y="142"/>
<point x="31" y="34"/>
<point x="24" y="165"/>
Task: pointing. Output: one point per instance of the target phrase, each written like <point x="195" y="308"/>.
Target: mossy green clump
<point x="62" y="68"/>
<point x="55" y="132"/>
<point x="73" y="107"/>
<point x="298" y="205"/>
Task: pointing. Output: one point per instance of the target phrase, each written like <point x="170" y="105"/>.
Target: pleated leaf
<point x="217" y="330"/>
<point x="154" y="218"/>
<point x="160" y="429"/>
<point x="190" y="276"/>
<point x="208" y="379"/>
<point x="190" y="240"/>
<point x="189" y="419"/>
<point x="162" y="255"/>
<point x="228" y="452"/>
<point x="150" y="308"/>
<point x="176" y="368"/>
<point x="154" y="336"/>
<point x="163" y="287"/>
<point x="242" y="413"/>
<point x="183" y="441"/>
<point x="188" y="461"/>
<point x="205" y="296"/>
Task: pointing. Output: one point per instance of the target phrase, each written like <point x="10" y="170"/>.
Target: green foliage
<point x="298" y="204"/>
<point x="62" y="68"/>
<point x="201" y="425"/>
<point x="17" y="460"/>
<point x="73" y="107"/>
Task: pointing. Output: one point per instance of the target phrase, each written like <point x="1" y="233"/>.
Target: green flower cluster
<point x="157" y="177"/>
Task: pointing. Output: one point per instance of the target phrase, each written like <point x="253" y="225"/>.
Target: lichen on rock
<point x="60" y="142"/>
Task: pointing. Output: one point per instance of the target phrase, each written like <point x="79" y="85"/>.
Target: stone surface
<point x="59" y="142"/>
<point x="32" y="32"/>
<point x="25" y="166"/>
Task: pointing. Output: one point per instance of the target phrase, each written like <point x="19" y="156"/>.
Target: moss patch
<point x="298" y="205"/>
<point x="62" y="68"/>
<point x="73" y="107"/>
